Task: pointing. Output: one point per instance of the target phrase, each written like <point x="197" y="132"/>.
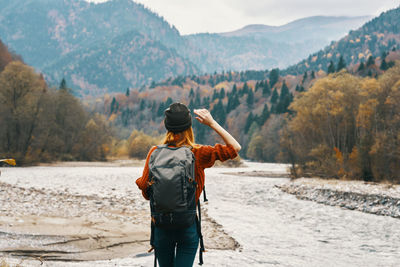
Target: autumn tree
<point x="5" y="56"/>
<point x="264" y="144"/>
<point x="93" y="141"/>
<point x="140" y="144"/>
<point x="21" y="93"/>
<point x="325" y="120"/>
<point x="44" y="124"/>
<point x="347" y="126"/>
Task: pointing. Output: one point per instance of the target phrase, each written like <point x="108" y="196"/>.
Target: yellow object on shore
<point x="9" y="161"/>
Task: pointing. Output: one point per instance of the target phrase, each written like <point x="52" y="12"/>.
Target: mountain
<point x="326" y="28"/>
<point x="126" y="60"/>
<point x="244" y="99"/>
<point x="42" y="30"/>
<point x="260" y="47"/>
<point x="78" y="40"/>
<point x="374" y="39"/>
<point x="109" y="46"/>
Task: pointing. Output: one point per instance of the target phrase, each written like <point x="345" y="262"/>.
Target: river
<point x="273" y="228"/>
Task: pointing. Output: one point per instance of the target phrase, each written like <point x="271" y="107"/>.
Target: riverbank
<point x="376" y="198"/>
<point x="272" y="227"/>
<point x="80" y="213"/>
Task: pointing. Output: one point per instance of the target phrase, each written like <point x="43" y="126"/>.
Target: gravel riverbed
<point x="87" y="216"/>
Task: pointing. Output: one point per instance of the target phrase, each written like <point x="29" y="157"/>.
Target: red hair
<point x="185" y="138"/>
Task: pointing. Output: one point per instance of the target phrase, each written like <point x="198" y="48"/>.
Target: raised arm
<point x="204" y="117"/>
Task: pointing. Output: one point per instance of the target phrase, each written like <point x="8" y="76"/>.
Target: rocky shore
<point x="379" y="199"/>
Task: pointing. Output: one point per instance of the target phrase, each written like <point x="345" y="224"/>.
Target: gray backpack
<point x="172" y="191"/>
<point x="172" y="187"/>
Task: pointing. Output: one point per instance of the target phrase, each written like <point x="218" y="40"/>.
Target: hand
<point x="204" y="116"/>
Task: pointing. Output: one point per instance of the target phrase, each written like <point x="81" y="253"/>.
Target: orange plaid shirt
<point x="205" y="157"/>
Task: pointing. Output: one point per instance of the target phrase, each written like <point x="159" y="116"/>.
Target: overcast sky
<point x="193" y="16"/>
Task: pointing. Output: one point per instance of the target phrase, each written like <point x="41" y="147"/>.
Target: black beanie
<point x="177" y="118"/>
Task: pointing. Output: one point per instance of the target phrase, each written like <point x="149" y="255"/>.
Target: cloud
<point x="192" y="16"/>
<point x="283" y="11"/>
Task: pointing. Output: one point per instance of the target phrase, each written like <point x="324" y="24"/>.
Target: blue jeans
<point x="176" y="248"/>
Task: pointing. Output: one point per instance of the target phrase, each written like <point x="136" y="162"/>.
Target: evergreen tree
<point x="245" y="88"/>
<point x="274" y="97"/>
<point x="284" y="99"/>
<point x="191" y="94"/>
<point x="384" y="65"/>
<point x="215" y="95"/>
<point x="273" y="77"/>
<point x="206" y="102"/>
<point x="331" y="67"/>
<point x="341" y="64"/>
<point x="161" y="108"/>
<point x="384" y="54"/>
<point x="197" y="100"/>
<point x="250" y="98"/>
<point x="191" y="104"/>
<point x="236" y="101"/>
<point x="370" y="61"/>
<point x="264" y="115"/>
<point x="390" y="64"/>
<point x="127" y="93"/>
<point x="312" y="75"/>
<point x="273" y="108"/>
<point x="305" y="76"/>
<point x="361" y="67"/>
<point x="142" y="104"/>
<point x="168" y="102"/>
<point x="284" y="103"/>
<point x="229" y="106"/>
<point x="266" y="89"/>
<point x="249" y="121"/>
<point x="229" y="76"/>
<point x="114" y="106"/>
<point x="284" y="91"/>
<point x="258" y="85"/>
<point x="234" y="89"/>
<point x="63" y="84"/>
<point x="222" y="93"/>
<point x="218" y="112"/>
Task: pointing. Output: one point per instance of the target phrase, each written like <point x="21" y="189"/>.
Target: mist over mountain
<point x="317" y="27"/>
<point x="374" y="39"/>
<point x="109" y="46"/>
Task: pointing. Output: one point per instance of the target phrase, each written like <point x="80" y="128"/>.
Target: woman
<point x="178" y="247"/>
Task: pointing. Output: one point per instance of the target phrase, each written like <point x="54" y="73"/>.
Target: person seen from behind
<point x="176" y="246"/>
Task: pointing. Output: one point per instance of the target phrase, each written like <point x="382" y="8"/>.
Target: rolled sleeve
<point x="209" y="154"/>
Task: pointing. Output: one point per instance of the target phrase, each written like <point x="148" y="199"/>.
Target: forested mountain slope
<point x="78" y="40"/>
<point x="374" y="38"/>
